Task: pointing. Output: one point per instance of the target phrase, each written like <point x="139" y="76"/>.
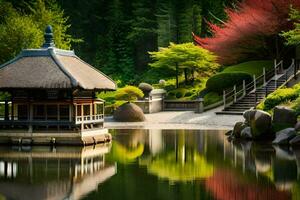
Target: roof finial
<point x="49" y="42"/>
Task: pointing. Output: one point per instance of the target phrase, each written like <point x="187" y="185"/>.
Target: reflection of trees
<point x="271" y="165"/>
<point x="122" y="154"/>
<point x="182" y="164"/>
<point x="227" y="185"/>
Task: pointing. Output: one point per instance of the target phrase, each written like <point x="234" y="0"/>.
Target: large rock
<point x="238" y="127"/>
<point x="297" y="126"/>
<point x="284" y="136"/>
<point x="284" y="115"/>
<point x="260" y="123"/>
<point x="295" y="140"/>
<point x="129" y="112"/>
<point x="248" y="115"/>
<point x="246" y="133"/>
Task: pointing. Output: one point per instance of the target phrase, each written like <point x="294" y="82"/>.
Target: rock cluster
<point x="258" y="125"/>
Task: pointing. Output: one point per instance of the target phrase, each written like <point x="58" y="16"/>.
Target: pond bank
<point x="180" y="120"/>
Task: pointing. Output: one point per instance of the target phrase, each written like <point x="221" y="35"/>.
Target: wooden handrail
<point x="230" y="96"/>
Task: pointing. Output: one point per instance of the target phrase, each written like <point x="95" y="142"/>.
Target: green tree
<point x="293" y="36"/>
<point x="129" y="93"/>
<point x="185" y="56"/>
<point x="19" y="30"/>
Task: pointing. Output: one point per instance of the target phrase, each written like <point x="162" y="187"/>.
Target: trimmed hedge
<point x="129" y="93"/>
<point x="223" y="81"/>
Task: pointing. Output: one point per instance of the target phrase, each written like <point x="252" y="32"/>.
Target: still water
<point x="152" y="164"/>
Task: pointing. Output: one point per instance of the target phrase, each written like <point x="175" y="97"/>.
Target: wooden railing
<point x="89" y="119"/>
<point x="238" y="92"/>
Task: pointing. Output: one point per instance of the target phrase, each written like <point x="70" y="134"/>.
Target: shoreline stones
<point x="284" y="136"/>
<point x="258" y="125"/>
<point x="284" y="115"/>
<point x="297" y="126"/>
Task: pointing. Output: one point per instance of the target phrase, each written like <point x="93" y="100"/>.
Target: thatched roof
<point x="52" y="68"/>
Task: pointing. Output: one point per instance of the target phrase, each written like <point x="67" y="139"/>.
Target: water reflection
<point x="52" y="173"/>
<point x="153" y="164"/>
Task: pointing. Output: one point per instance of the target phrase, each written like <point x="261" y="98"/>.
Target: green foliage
<point x="251" y="67"/>
<point x="184" y="92"/>
<point x="19" y="30"/>
<point x="183" y="58"/>
<point x="296" y="106"/>
<point x="129" y="93"/>
<point x="223" y="81"/>
<point x="280" y="96"/>
<point x="211" y="98"/>
<point x="293" y="36"/>
<point x="186" y="55"/>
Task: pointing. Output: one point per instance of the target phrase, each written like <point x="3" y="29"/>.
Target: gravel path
<point x="180" y="120"/>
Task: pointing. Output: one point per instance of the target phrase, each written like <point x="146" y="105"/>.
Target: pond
<point x="152" y="164"/>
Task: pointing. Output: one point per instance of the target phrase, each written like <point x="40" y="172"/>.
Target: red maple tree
<point x="251" y="31"/>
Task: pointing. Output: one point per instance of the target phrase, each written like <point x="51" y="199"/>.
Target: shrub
<point x="211" y="98"/>
<point x="279" y="96"/>
<point x="223" y="81"/>
<point x="146" y="88"/>
<point x="177" y="93"/>
<point x="296" y="106"/>
<point x="129" y="93"/>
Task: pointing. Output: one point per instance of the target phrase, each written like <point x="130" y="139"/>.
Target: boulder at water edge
<point x="297" y="126"/>
<point x="295" y="140"/>
<point x="246" y="133"/>
<point x="260" y="123"/>
<point x="238" y="127"/>
<point x="129" y="112"/>
<point x="284" y="136"/>
<point x="284" y="115"/>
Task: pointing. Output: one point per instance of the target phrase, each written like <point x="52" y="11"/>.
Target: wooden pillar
<point x="75" y="112"/>
<point x="91" y="111"/>
<point x="82" y="125"/>
<point x="12" y="110"/>
<point x="58" y="113"/>
<point x="70" y="112"/>
<point x="6" y="110"/>
<point x="95" y="109"/>
<point x="30" y="117"/>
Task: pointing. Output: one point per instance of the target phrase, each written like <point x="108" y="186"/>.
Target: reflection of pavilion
<point x="62" y="173"/>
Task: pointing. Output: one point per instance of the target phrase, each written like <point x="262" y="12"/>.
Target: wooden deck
<point x="81" y="138"/>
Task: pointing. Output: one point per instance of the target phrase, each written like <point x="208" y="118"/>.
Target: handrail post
<point x="295" y="68"/>
<point x="264" y="73"/>
<point x="224" y="98"/>
<point x="254" y="83"/>
<point x="234" y="90"/>
<point x="244" y="87"/>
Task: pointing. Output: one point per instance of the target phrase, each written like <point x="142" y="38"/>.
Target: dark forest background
<point x="118" y="34"/>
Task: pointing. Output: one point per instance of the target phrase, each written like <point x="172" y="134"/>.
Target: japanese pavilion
<point x="52" y="98"/>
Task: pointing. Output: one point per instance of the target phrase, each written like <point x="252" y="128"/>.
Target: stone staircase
<point x="236" y="102"/>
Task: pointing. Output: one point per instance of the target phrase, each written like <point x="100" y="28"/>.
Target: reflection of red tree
<point x="225" y="185"/>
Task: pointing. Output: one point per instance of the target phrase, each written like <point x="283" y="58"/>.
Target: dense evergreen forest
<point x="117" y="35"/>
